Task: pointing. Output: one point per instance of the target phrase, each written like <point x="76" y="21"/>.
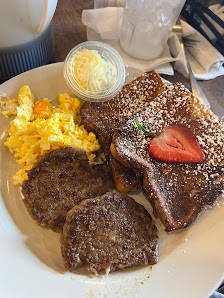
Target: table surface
<point x="69" y="31"/>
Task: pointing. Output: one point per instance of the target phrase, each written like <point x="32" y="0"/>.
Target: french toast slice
<point x="178" y="192"/>
<point x="103" y="117"/>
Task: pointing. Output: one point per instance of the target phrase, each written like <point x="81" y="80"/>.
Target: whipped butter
<point x="94" y="71"/>
<point x="90" y="71"/>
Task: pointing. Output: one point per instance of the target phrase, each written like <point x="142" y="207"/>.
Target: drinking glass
<point x="146" y="26"/>
<point x="108" y="3"/>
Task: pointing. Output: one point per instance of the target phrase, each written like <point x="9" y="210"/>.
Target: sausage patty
<point x="60" y="180"/>
<point x="107" y="233"/>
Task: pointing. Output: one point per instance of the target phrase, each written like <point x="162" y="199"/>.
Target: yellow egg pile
<point x="39" y="128"/>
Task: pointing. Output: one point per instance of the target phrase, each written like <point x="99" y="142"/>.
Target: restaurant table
<point x="69" y="31"/>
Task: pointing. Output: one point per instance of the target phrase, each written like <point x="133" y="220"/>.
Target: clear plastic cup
<point x="146" y="26"/>
<point x="94" y="71"/>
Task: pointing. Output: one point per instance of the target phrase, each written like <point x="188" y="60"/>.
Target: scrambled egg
<point x="39" y="128"/>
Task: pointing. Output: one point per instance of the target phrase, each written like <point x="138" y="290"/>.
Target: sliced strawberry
<point x="176" y="143"/>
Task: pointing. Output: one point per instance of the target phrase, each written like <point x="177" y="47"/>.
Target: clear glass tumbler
<point x="108" y="3"/>
<point x="146" y="26"/>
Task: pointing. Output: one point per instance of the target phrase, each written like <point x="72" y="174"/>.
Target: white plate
<point x="191" y="261"/>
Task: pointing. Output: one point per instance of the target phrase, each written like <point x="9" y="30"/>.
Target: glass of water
<point x="108" y="3"/>
<point x="146" y="26"/>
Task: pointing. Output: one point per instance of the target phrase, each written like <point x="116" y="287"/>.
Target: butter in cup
<point x="94" y="71"/>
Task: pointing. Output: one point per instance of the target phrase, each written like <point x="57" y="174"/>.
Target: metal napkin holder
<point x="195" y="13"/>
